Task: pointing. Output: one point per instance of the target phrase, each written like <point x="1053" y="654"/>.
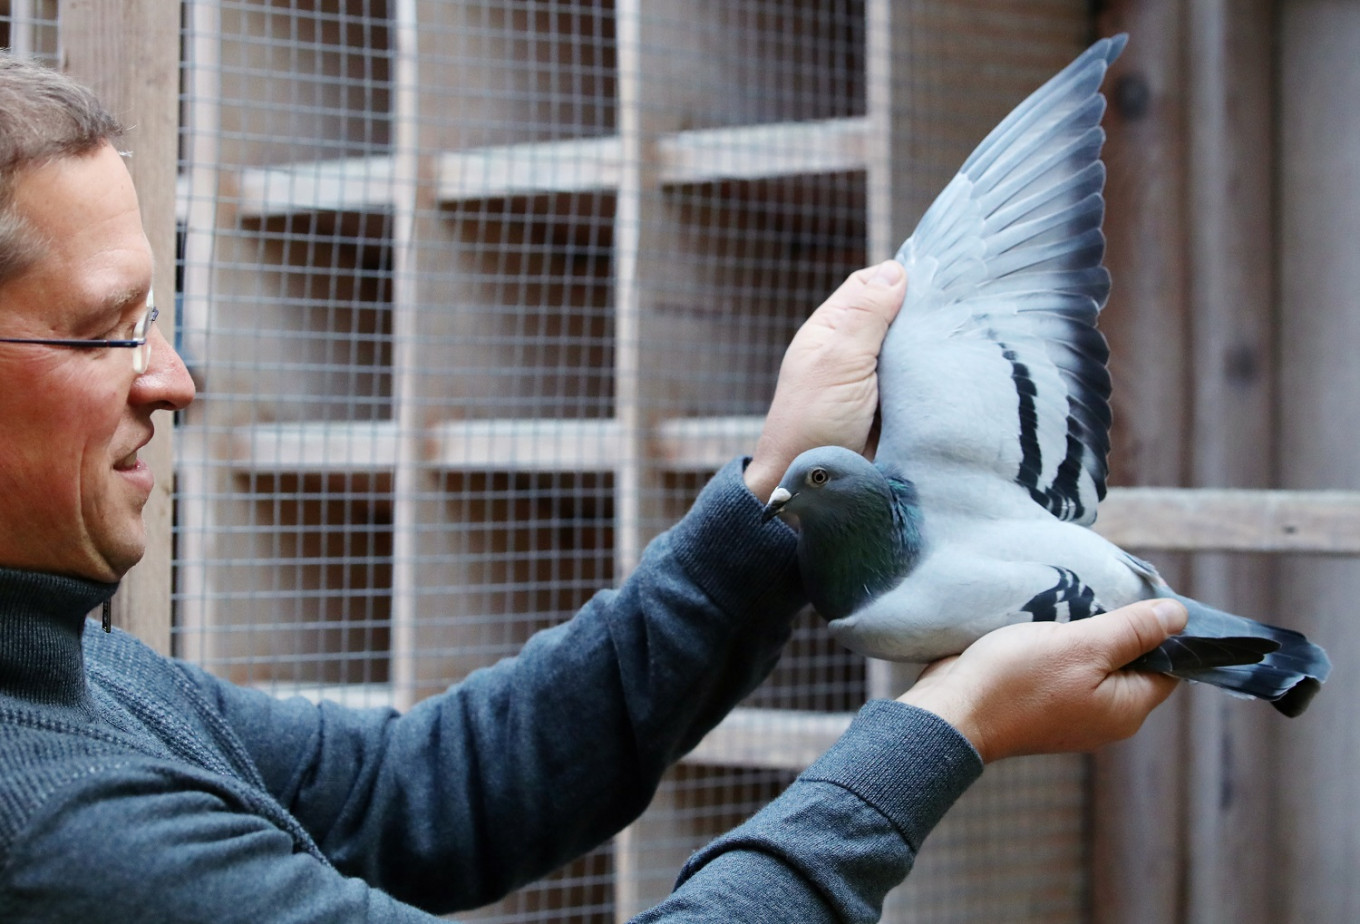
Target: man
<point x="137" y="788"/>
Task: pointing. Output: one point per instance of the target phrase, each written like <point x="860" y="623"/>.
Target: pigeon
<point x="995" y="416"/>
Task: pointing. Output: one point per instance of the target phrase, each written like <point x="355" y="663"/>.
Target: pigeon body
<point x="994" y="395"/>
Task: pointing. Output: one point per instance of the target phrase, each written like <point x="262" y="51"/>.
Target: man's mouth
<point x="130" y="461"/>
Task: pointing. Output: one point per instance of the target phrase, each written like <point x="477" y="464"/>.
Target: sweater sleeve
<point x="848" y="830"/>
<point x="539" y="758"/>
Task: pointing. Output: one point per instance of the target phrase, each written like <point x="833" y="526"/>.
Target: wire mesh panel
<point x="479" y="294"/>
<point x="29" y="28"/>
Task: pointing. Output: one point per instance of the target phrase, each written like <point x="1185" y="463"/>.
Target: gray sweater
<point x="137" y="788"/>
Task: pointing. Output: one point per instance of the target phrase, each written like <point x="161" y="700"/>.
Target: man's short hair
<point x="44" y="115"/>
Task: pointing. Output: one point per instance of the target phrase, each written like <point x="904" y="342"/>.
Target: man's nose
<point x="166" y="382"/>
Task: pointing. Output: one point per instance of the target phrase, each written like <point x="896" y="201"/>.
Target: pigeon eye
<point x="818" y="477"/>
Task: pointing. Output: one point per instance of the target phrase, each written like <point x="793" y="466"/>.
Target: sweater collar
<point x="42" y="617"/>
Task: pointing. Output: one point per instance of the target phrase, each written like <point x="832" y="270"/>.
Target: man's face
<point x="71" y="485"/>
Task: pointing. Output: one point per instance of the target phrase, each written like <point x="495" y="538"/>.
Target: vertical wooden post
<point x="128" y="52"/>
<point x="1231" y="835"/>
<point x="1139" y="786"/>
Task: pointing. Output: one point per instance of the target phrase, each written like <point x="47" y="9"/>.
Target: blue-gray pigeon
<point x="994" y="398"/>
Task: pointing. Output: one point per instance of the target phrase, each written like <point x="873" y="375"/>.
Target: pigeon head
<point x="859" y="528"/>
<point x="823" y="482"/>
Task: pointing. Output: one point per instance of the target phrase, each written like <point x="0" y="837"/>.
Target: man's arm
<point x="849" y="828"/>
<point x="539" y="758"/>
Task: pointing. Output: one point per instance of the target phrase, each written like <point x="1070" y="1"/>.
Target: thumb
<point x="1124" y="634"/>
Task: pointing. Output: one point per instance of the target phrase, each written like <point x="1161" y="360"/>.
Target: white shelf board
<point x="576" y="165"/>
<point x="316" y="447"/>
<point x="758" y="151"/>
<point x="770" y="739"/>
<point x="698" y="444"/>
<point x="683" y="444"/>
<point x="705" y="155"/>
<point x="526" y="445"/>
<point x="351" y="695"/>
<point x="355" y="184"/>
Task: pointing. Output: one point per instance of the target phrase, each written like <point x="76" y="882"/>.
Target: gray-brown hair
<point x="44" y="115"/>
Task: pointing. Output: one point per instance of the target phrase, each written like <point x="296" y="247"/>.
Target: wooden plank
<point x="635" y="183"/>
<point x="350" y="695"/>
<point x="538" y="445"/>
<point x="127" y="51"/>
<point x="355" y="184"/>
<point x="196" y="208"/>
<point x="574" y="165"/>
<point x="408" y="576"/>
<point x="1146" y="519"/>
<point x="588" y="164"/>
<point x="1202" y="519"/>
<point x="316" y="448"/>
<point x="701" y="444"/>
<point x="761" y="151"/>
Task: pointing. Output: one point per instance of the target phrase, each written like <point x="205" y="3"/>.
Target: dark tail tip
<point x="1297" y="697"/>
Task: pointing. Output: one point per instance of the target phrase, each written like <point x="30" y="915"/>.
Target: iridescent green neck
<point x="862" y="549"/>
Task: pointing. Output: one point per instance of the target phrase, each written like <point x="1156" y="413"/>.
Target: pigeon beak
<point x="778" y="499"/>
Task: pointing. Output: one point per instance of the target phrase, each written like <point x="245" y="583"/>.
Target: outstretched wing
<point x="993" y="380"/>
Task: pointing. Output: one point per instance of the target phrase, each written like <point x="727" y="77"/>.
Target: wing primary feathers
<point x="1088" y="181"/>
<point x="1039" y="164"/>
<point x="1080" y="217"/>
<point x="1085" y="249"/>
<point x="1012" y="249"/>
<point x="1093" y="281"/>
<point x="1080" y="78"/>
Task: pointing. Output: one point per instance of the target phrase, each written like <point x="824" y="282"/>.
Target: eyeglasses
<point x="141" y="348"/>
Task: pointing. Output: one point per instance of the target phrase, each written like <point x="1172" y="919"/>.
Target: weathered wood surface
<point x="1232" y="520"/>
<point x="128" y="52"/>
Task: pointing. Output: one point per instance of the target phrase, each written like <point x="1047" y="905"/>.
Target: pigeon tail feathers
<point x="1276" y="664"/>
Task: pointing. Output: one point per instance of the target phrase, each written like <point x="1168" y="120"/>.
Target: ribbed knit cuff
<point x="907" y="762"/>
<point x="728" y="549"/>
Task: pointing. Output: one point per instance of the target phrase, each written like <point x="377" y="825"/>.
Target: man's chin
<point x="119" y="554"/>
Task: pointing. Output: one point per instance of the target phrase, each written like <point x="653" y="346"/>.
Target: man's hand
<point x="827" y="392"/>
<point x="1045" y="687"/>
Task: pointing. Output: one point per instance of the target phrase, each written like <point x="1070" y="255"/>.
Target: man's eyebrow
<point x="119" y="299"/>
